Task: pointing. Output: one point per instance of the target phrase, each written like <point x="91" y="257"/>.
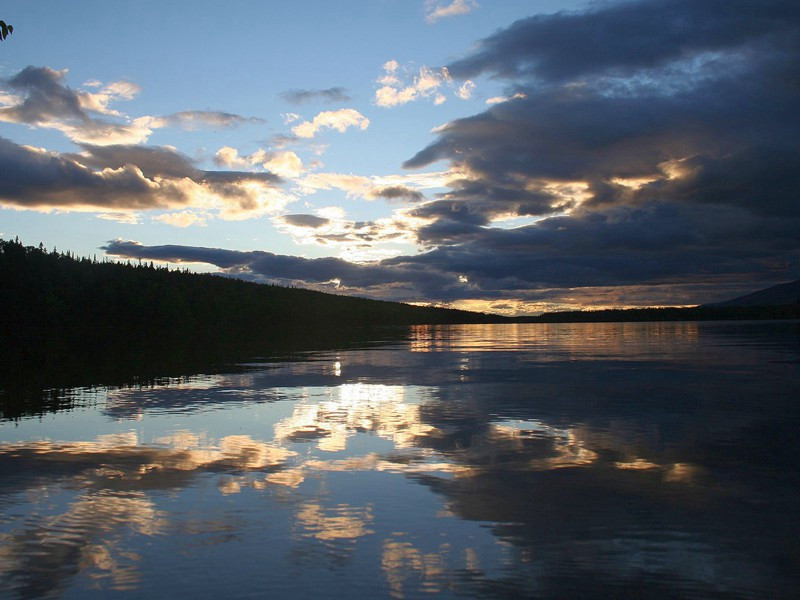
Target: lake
<point x="616" y="460"/>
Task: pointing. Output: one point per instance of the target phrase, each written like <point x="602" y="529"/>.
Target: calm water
<point x="545" y="461"/>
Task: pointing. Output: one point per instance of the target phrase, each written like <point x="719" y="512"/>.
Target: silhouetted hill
<point x="777" y="295"/>
<point x="52" y="303"/>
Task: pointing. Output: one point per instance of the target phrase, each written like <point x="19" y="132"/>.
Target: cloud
<point x="465" y="91"/>
<point x="283" y="164"/>
<point x="500" y="99"/>
<point x="425" y="83"/>
<point x="305" y="221"/>
<point x="45" y="97"/>
<point x="642" y="152"/>
<point x="113" y="92"/>
<point x="648" y="156"/>
<point x="381" y="279"/>
<point x="373" y="187"/>
<point x="119" y="179"/>
<point x="647" y="142"/>
<point x="340" y="120"/>
<point x="360" y="241"/>
<point x="181" y="219"/>
<point x="38" y="96"/>
<point x="41" y="99"/>
<point x="195" y="119"/>
<point x="330" y="95"/>
<point x="290" y="117"/>
<point x="435" y="9"/>
<point x="397" y="192"/>
<point x="628" y="37"/>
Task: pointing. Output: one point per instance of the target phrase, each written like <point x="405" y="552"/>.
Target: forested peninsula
<point x="53" y="304"/>
<point x="54" y="300"/>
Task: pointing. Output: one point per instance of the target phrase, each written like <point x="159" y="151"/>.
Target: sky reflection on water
<point x="656" y="460"/>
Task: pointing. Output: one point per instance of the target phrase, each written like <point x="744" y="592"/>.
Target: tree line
<point x="52" y="299"/>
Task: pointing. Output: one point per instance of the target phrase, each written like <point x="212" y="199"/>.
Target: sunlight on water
<point x="542" y="460"/>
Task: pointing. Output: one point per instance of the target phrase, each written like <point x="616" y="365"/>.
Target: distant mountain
<point x="777" y="295"/>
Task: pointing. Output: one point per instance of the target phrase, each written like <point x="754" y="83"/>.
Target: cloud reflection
<point x="90" y="537"/>
<point x="587" y="462"/>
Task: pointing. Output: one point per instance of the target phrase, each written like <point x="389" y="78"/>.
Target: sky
<point x="496" y="155"/>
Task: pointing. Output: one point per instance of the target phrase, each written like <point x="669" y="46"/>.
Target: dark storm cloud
<point x="114" y="177"/>
<point x="656" y="143"/>
<point x="626" y="37"/>
<point x="652" y="244"/>
<point x="334" y="94"/>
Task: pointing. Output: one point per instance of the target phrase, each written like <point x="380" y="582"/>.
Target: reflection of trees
<point x="55" y="304"/>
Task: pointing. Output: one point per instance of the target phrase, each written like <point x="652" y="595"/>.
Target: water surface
<point x="648" y="460"/>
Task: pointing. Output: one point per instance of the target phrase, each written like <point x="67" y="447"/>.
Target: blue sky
<point x="509" y="156"/>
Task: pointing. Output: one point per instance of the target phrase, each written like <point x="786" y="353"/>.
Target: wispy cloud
<point x="401" y="85"/>
<point x="501" y="99"/>
<point x="330" y="95"/>
<point x="394" y="188"/>
<point x="436" y="9"/>
<point x="465" y="90"/>
<point x="182" y="219"/>
<point x="196" y="119"/>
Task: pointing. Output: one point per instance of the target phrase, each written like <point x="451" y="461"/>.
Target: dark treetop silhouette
<point x="5" y="30"/>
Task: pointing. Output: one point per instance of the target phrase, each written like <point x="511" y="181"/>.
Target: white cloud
<point x="284" y="164"/>
<point x="406" y="188"/>
<point x="113" y="92"/>
<point x="390" y="73"/>
<point x="357" y="241"/>
<point x="290" y="117"/>
<point x="229" y="157"/>
<point x="181" y="219"/>
<point x="501" y="99"/>
<point x="424" y="84"/>
<point x="435" y="10"/>
<point x="465" y="91"/>
<point x="353" y="185"/>
<point x="120" y="217"/>
<point x="340" y="120"/>
<point x="101" y="133"/>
